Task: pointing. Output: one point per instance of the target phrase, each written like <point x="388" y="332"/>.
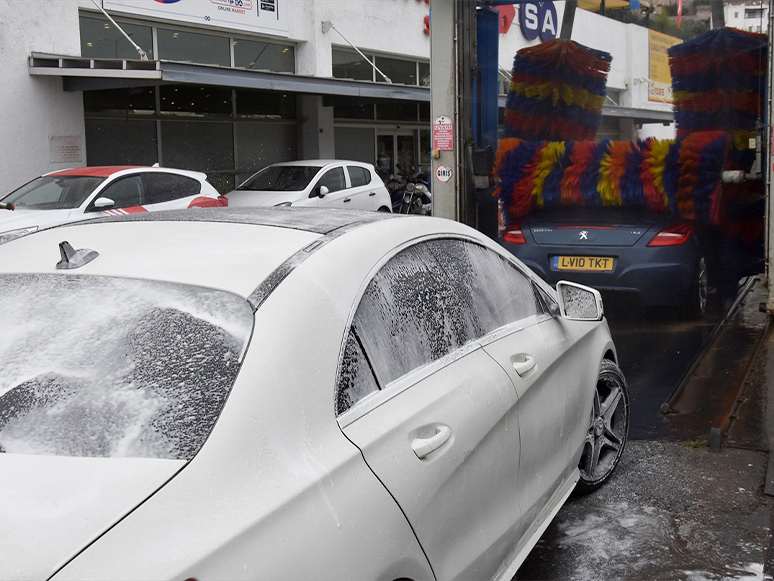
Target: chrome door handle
<point x="522" y="363"/>
<point x="423" y="446"/>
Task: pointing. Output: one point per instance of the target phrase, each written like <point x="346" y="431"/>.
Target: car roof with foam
<point x="233" y="249"/>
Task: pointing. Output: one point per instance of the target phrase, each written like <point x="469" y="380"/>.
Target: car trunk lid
<point x="605" y="227"/>
<point x="52" y="507"/>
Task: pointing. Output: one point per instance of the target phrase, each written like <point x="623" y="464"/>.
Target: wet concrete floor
<point x="674" y="509"/>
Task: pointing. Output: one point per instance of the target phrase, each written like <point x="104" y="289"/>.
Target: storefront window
<point x="362" y="111"/>
<point x="101" y="39"/>
<point x="396" y="111"/>
<point x="265" y="104"/>
<point x="140" y="100"/>
<point x="179" y="45"/>
<point x="193" y="99"/>
<point x="424" y="112"/>
<point x="399" y="71"/>
<point x="350" y="65"/>
<point x="424" y="74"/>
<point x="264" y="56"/>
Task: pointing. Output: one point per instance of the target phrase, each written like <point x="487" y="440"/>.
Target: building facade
<point x="233" y="85"/>
<point x="749" y="15"/>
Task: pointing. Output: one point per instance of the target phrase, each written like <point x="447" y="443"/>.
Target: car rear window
<point x="358" y="176"/>
<point x="166" y="187"/>
<point x="109" y="367"/>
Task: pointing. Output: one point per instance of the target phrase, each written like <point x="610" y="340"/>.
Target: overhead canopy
<point x="83" y="74"/>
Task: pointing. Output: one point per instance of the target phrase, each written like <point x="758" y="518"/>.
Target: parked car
<point x="317" y="182"/>
<point x="291" y="393"/>
<point x="85" y="192"/>
<point x="655" y="258"/>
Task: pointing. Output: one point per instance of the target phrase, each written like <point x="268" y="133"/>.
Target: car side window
<point x="411" y="313"/>
<point x="497" y="291"/>
<point x="333" y="179"/>
<point x="358" y="176"/>
<point x="165" y="187"/>
<point x="125" y="192"/>
<point x="424" y="303"/>
<point x="356" y="380"/>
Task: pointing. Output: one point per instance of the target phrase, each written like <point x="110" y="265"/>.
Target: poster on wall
<point x="264" y="16"/>
<point x="660" y="79"/>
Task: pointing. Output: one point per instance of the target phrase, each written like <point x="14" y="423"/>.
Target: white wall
<point x="34" y="108"/>
<point x="389" y="26"/>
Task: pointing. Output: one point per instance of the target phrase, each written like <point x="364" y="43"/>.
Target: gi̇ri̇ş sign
<point x="266" y="16"/>
<point x="443" y="174"/>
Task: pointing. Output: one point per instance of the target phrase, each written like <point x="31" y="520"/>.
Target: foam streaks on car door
<point x="441" y="432"/>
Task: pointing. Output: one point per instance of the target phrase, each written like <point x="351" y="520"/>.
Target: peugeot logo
<point x="584" y="235"/>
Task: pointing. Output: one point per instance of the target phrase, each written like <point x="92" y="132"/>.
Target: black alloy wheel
<point x="608" y="429"/>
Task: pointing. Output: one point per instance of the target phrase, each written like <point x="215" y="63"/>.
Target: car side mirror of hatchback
<point x="578" y="302"/>
<point x="323" y="191"/>
<point x="103" y="203"/>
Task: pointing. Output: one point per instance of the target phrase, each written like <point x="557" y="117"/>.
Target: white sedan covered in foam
<point x="281" y="393"/>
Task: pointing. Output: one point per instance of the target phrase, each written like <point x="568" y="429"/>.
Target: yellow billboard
<point x="660" y="80"/>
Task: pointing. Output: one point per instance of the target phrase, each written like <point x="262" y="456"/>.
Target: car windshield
<point x="281" y="178"/>
<point x="54" y="192"/>
<point x="109" y="367"/>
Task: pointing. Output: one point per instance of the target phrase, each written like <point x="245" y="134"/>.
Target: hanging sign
<point x="443" y="174"/>
<point x="262" y="16"/>
<point x="443" y="134"/>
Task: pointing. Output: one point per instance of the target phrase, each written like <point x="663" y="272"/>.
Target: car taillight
<point x="514" y="235"/>
<point x="673" y="235"/>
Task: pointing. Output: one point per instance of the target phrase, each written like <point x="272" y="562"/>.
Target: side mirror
<point x="103" y="203"/>
<point x="578" y="302"/>
<point x="323" y="191"/>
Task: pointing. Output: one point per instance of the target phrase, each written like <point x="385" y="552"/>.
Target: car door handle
<point x="347" y="199"/>
<point x="372" y="194"/>
<point x="522" y="363"/>
<point x="423" y="446"/>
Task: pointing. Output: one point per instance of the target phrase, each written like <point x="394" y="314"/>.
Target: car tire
<point x="608" y="429"/>
<point x="696" y="304"/>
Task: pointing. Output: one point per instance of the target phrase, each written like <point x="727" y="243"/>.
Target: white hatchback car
<point x="85" y="192"/>
<point x="291" y="393"/>
<point x="320" y="183"/>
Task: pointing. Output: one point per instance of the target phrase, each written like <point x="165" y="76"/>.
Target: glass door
<point x="396" y="153"/>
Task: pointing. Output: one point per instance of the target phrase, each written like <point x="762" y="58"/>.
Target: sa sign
<point x="538" y="19"/>
<point x="443" y="174"/>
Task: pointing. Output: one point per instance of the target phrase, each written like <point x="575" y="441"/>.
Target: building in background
<point x="233" y="85"/>
<point x="748" y="15"/>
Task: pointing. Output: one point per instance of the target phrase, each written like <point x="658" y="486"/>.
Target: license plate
<point x="586" y="263"/>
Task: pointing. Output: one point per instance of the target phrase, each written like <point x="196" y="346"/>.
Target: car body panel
<point x="474" y="399"/>
<point x="371" y="196"/>
<point x="53" y="507"/>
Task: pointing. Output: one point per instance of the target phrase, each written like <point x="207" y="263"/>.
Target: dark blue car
<point x="654" y="258"/>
